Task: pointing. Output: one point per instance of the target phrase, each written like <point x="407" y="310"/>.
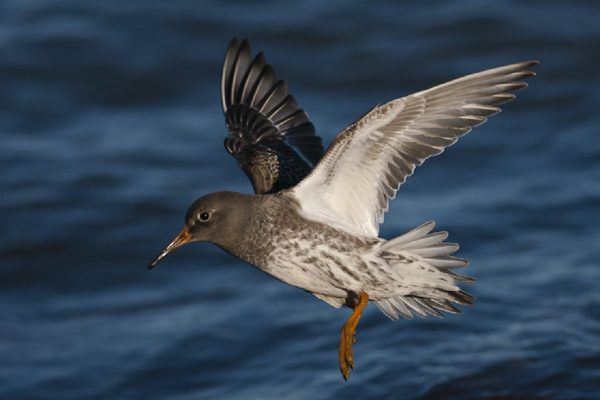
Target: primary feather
<point x="271" y="137"/>
<point x="367" y="162"/>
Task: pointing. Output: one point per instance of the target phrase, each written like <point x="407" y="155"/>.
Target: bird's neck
<point x="253" y="239"/>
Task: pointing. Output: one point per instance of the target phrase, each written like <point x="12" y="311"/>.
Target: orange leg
<point x="347" y="337"/>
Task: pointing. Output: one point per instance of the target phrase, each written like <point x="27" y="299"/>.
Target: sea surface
<point x="110" y="126"/>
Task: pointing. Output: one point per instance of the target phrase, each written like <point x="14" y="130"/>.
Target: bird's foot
<point x="346" y="356"/>
<point x="348" y="336"/>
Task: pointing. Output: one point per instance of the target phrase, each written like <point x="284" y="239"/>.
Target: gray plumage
<point x="410" y="274"/>
<point x="321" y="235"/>
<point x="319" y="230"/>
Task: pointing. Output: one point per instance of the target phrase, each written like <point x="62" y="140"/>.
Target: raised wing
<point x="368" y="161"/>
<point x="270" y="135"/>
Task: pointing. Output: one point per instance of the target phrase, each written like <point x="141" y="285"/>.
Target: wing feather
<point x="368" y="161"/>
<point x="271" y="137"/>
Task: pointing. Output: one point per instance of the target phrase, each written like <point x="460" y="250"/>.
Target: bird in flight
<point x="314" y="219"/>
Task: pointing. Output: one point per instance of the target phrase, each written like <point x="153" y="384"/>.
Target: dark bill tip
<point x="182" y="238"/>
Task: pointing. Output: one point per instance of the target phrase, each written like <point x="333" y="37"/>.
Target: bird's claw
<point x="346" y="357"/>
<point x="348" y="337"/>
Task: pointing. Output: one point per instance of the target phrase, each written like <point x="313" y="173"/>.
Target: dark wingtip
<point x="245" y="46"/>
<point x="263" y="117"/>
<point x="462" y="297"/>
<point x="233" y="42"/>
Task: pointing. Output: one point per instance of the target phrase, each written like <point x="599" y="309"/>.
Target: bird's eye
<point x="204" y="216"/>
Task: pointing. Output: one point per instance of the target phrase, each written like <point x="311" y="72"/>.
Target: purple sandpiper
<point x="314" y="220"/>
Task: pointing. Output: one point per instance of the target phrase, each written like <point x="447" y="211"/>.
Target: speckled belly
<point x="325" y="267"/>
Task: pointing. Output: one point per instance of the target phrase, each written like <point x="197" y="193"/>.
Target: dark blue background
<point x="110" y="126"/>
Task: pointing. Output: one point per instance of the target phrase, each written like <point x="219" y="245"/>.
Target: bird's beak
<point x="184" y="237"/>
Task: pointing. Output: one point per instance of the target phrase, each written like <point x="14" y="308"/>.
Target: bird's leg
<point x="347" y="337"/>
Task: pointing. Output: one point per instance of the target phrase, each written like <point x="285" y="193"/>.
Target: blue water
<point x="111" y="125"/>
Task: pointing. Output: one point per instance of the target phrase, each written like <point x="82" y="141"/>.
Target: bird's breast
<point x="319" y="260"/>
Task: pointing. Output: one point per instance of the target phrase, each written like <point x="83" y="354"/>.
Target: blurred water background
<point x="110" y="125"/>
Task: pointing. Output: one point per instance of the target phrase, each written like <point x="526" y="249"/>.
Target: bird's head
<point x="214" y="218"/>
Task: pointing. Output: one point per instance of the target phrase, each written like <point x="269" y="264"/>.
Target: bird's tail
<point x="426" y="264"/>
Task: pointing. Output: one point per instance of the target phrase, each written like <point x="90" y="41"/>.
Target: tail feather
<point x="426" y="307"/>
<point x="460" y="278"/>
<point x="425" y="242"/>
<point x="414" y="306"/>
<point x="401" y="307"/>
<point x="440" y="249"/>
<point x="414" y="234"/>
<point x="461" y="297"/>
<point x="447" y="262"/>
<point x="426" y="262"/>
<point x="443" y="305"/>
